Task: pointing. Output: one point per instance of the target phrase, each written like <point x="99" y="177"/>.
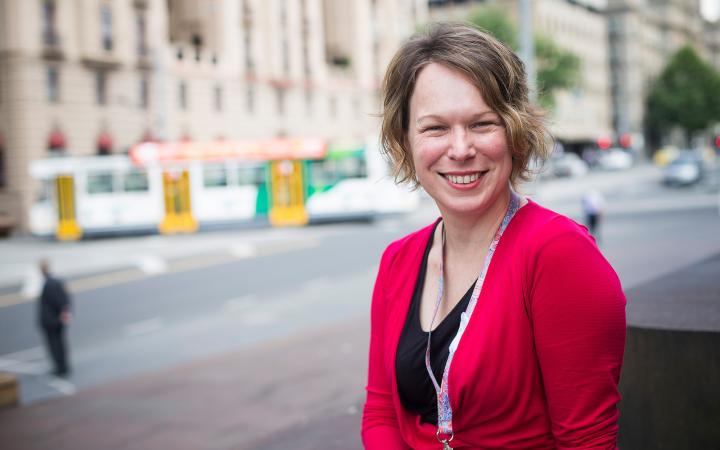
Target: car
<point x="686" y="169"/>
<point x="568" y="165"/>
<point x="615" y="159"/>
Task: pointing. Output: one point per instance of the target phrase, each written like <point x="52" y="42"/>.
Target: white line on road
<point x="240" y="304"/>
<point x="22" y="367"/>
<point x="62" y="386"/>
<point x="143" y="327"/>
<point x="151" y="265"/>
<point x="27" y="354"/>
<point x="320" y="284"/>
<point x="243" y="250"/>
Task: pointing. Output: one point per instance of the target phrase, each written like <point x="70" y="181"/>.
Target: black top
<point x="53" y="301"/>
<point x="416" y="389"/>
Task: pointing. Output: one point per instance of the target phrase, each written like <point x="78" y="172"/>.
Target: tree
<point x="556" y="68"/>
<point x="686" y="95"/>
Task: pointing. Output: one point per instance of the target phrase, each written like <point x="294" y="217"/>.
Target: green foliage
<point x="496" y="23"/>
<point x="556" y="68"/>
<point x="686" y="95"/>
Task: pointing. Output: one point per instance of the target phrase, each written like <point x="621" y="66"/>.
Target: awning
<point x="56" y="140"/>
<point x="251" y="150"/>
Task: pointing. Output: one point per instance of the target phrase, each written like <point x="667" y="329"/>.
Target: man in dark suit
<point x="53" y="317"/>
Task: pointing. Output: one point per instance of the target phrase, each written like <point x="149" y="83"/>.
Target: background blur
<point x="205" y="176"/>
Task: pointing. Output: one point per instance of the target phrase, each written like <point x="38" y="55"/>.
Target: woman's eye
<point x="433" y="128"/>
<point x="481" y="125"/>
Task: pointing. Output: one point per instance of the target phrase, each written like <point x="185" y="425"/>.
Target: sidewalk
<point x="300" y="393"/>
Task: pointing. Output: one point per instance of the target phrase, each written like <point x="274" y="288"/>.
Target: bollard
<point x="8" y="390"/>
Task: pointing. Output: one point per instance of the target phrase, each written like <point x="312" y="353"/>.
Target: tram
<point x="180" y="187"/>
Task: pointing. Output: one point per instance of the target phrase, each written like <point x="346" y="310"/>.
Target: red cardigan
<point x="539" y="363"/>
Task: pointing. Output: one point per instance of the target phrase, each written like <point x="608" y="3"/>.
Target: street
<point x="285" y="312"/>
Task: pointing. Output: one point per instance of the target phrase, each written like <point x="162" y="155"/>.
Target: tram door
<point x="287" y="198"/>
<point x="67" y="228"/>
<point x="178" y="210"/>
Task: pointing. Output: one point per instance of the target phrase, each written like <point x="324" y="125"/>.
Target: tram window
<point x="251" y="175"/>
<point x="99" y="183"/>
<point x="135" y="181"/>
<point x="44" y="192"/>
<point x="214" y="176"/>
<point x="352" y="167"/>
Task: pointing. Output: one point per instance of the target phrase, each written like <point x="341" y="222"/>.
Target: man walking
<point x="53" y="317"/>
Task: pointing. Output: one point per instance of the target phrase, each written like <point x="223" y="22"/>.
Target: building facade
<point x="643" y="34"/>
<point x="582" y="114"/>
<point x="85" y="77"/>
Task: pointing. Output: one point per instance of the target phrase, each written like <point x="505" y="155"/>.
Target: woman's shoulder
<point x="541" y="226"/>
<point x="409" y="244"/>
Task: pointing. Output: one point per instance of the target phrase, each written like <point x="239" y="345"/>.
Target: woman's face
<point x="458" y="143"/>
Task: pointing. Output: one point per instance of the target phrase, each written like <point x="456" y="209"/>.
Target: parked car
<point x="616" y="159"/>
<point x="568" y="165"/>
<point x="684" y="170"/>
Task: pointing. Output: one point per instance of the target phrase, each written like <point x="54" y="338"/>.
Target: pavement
<point x="245" y="399"/>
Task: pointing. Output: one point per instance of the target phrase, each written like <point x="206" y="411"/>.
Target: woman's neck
<point x="464" y="235"/>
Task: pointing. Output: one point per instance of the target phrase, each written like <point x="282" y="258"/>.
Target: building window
<point x="144" y="92"/>
<point x="52" y="82"/>
<point x="218" y="96"/>
<point x="106" y="27"/>
<point x="182" y="95"/>
<point x="101" y="87"/>
<point x="285" y="46"/>
<point x="197" y="43"/>
<point x="333" y="106"/>
<point x="3" y="181"/>
<point x="309" y="101"/>
<point x="305" y="34"/>
<point x="50" y="37"/>
<point x="141" y="31"/>
<point x="280" y="101"/>
<point x="250" y="99"/>
<point x="247" y="21"/>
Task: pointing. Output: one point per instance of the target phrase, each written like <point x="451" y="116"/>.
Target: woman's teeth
<point x="463" y="179"/>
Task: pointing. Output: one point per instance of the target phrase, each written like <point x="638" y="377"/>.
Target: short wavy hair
<point x="498" y="74"/>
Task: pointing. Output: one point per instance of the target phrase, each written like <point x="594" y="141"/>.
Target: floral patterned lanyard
<point x="445" y="431"/>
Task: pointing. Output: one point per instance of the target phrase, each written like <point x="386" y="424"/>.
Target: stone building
<point x="84" y="77"/>
<point x="643" y="35"/>
<point x="581" y="115"/>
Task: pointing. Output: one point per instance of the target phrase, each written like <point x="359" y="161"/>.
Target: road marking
<point x="27" y="354"/>
<point x="259" y="318"/>
<point x="243" y="250"/>
<point x="33" y="283"/>
<point x="23" y="367"/>
<point x="318" y="284"/>
<point x="152" y="265"/>
<point x="143" y="327"/>
<point x="240" y="304"/>
<point x="62" y="386"/>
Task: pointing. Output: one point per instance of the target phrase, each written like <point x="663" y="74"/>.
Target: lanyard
<point x="445" y="431"/>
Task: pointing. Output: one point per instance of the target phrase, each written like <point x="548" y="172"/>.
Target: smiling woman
<point x="534" y="340"/>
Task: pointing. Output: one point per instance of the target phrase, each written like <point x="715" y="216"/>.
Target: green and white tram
<point x="180" y="187"/>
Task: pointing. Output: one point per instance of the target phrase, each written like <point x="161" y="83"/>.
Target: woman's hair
<point x="498" y="74"/>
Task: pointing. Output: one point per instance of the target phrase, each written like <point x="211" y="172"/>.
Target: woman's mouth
<point x="463" y="178"/>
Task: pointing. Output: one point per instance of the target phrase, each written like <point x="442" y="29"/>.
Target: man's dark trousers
<point x="55" y="339"/>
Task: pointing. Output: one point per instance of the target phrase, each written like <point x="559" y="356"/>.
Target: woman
<point x="500" y="325"/>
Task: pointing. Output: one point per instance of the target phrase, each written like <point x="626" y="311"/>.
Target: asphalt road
<point x="301" y="280"/>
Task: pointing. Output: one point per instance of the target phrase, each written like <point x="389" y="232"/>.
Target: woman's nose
<point x="461" y="147"/>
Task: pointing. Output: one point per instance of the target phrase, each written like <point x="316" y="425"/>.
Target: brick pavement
<point x="303" y="392"/>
